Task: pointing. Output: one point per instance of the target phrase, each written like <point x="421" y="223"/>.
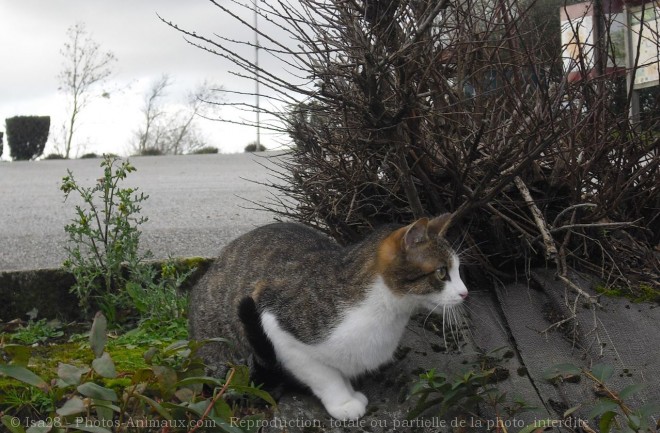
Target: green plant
<point x="155" y="292"/>
<point x="464" y="391"/>
<point x="37" y="331"/>
<point x="172" y="390"/>
<point x="104" y="236"/>
<point x="27" y="135"/>
<point x="462" y="394"/>
<point x="154" y="331"/>
<point x="610" y="410"/>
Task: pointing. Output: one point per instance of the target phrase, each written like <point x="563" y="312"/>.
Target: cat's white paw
<point x="363" y="398"/>
<point x="354" y="408"/>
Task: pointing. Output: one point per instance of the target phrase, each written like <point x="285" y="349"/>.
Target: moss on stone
<point x="642" y="293"/>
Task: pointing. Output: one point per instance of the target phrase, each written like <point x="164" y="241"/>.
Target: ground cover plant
<point x="166" y="393"/>
<point x="474" y="398"/>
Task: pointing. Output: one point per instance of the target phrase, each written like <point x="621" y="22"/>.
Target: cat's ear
<point x="438" y="226"/>
<point x="415" y="233"/>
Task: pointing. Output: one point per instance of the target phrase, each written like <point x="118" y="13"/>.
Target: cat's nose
<point x="464" y="295"/>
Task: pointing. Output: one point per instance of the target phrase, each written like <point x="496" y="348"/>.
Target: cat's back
<point x="288" y="252"/>
<point x="277" y="250"/>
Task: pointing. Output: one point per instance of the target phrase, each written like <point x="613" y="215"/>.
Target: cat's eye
<point x="441" y="273"/>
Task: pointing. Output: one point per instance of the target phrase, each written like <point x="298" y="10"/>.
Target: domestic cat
<point x="295" y="302"/>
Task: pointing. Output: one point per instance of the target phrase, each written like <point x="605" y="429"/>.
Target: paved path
<point x="196" y="204"/>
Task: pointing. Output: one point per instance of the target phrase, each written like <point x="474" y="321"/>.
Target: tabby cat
<point x="297" y="303"/>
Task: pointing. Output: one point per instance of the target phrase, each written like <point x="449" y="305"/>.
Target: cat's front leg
<point x="336" y="392"/>
<point x="329" y="385"/>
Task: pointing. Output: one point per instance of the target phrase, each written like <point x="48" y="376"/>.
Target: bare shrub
<point x="400" y="109"/>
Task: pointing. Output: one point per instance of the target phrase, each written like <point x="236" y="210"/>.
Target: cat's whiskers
<point x="462" y="322"/>
<point x="444" y="325"/>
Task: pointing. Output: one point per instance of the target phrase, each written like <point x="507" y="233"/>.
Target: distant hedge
<point x="1" y="135"/>
<point x="26" y="136"/>
<point x="252" y="147"/>
<point x="204" y="150"/>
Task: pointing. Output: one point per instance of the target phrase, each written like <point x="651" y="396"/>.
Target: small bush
<point x="54" y="156"/>
<point x="252" y="147"/>
<point x="151" y="151"/>
<point x="27" y="135"/>
<point x="204" y="150"/>
<point x="90" y="155"/>
<point x="1" y="136"/>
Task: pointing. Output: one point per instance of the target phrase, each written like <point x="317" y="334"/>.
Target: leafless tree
<point x="149" y="134"/>
<point x="85" y="69"/>
<point x="172" y="128"/>
<point x="401" y="109"/>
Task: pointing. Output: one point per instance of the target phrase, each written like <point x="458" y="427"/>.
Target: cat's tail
<point x="265" y="369"/>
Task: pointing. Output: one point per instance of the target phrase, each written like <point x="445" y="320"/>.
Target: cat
<point x="296" y="303"/>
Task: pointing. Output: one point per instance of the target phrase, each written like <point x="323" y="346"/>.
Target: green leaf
<point x="649" y="410"/>
<point x="12" y="423"/>
<point x="176" y="346"/>
<point x="602" y="372"/>
<point x="104" y="366"/>
<point x="260" y="393"/>
<point x="103" y="413"/>
<point x="224" y="426"/>
<point x="69" y="375"/>
<point x="561" y="370"/>
<point x="39" y="429"/>
<point x="200" y="407"/>
<point x="185" y="395"/>
<point x="222" y="409"/>
<point x="98" y="335"/>
<point x="73" y="406"/>
<point x="634" y="422"/>
<point x="241" y="375"/>
<point x="149" y="354"/>
<point x="157" y="407"/>
<point x="204" y="380"/>
<point x="605" y="423"/>
<point x="166" y="378"/>
<point x="571" y="410"/>
<point x="630" y="390"/>
<point x="88" y="428"/>
<point x="24" y="375"/>
<point x="19" y="354"/>
<point x="92" y="390"/>
<point x="603" y="405"/>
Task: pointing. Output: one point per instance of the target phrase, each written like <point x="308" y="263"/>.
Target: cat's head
<point x="417" y="261"/>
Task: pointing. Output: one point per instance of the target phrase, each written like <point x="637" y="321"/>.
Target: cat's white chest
<point x="365" y="339"/>
<point x="369" y="333"/>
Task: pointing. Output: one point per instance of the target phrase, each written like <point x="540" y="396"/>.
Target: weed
<point x="610" y="410"/>
<point x="170" y="389"/>
<point x="104" y="235"/>
<point x="103" y="251"/>
<point x="37" y="331"/>
<point x="464" y="392"/>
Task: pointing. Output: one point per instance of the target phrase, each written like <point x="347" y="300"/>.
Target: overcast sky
<point x="32" y="33"/>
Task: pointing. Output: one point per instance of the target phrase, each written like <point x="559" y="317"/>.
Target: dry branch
<point x="398" y="109"/>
